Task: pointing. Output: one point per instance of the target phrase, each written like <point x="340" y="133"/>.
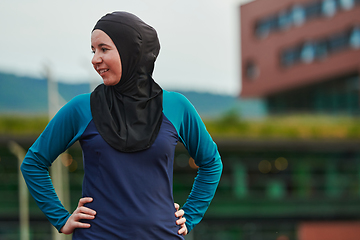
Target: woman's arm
<point x="202" y="149"/>
<point x="61" y="132"/>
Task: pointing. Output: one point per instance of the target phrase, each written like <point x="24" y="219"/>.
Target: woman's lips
<point x="102" y="71"/>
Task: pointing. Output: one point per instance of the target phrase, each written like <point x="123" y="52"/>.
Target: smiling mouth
<point x="103" y="71"/>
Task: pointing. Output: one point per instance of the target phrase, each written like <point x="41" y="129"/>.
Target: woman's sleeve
<point x="203" y="150"/>
<point x="62" y="131"/>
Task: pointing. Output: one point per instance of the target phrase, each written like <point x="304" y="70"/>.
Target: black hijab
<point x="128" y="115"/>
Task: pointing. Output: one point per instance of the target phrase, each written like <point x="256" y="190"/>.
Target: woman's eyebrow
<point x="100" y="45"/>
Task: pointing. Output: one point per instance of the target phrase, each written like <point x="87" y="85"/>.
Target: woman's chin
<point x="110" y="82"/>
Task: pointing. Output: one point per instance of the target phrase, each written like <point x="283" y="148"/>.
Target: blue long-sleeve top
<point x="129" y="189"/>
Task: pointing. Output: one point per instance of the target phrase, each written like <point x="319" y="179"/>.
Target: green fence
<point x="267" y="189"/>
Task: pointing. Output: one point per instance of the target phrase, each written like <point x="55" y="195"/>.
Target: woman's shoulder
<point x="78" y="102"/>
<point x="171" y="98"/>
<point x="177" y="108"/>
<point x="80" y="99"/>
<point x="78" y="106"/>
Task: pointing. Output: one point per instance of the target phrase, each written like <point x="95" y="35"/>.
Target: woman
<point x="128" y="128"/>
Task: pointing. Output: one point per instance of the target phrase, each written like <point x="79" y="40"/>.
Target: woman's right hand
<point x="81" y="212"/>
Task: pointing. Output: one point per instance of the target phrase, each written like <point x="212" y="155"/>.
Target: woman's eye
<point x="104" y="49"/>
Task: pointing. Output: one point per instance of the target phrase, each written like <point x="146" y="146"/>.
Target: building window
<point x="290" y="57"/>
<point x="338" y="95"/>
<point x="284" y="20"/>
<point x="265" y="26"/>
<point x="298" y="15"/>
<point x="251" y="70"/>
<point x="354" y="39"/>
<point x="347" y="4"/>
<point x="338" y="42"/>
<point x="321" y="49"/>
<point x="328" y="8"/>
<point x="308" y="52"/>
<point x="317" y="50"/>
<point x="313" y="10"/>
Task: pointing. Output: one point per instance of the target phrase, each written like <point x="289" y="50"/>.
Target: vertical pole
<point x="240" y="180"/>
<point x="302" y="179"/>
<point x="358" y="175"/>
<point x="58" y="172"/>
<point x="19" y="152"/>
<point x="332" y="186"/>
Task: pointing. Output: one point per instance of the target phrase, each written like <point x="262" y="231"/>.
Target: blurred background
<point x="275" y="81"/>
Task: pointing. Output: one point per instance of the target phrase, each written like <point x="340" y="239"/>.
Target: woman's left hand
<point x="181" y="221"/>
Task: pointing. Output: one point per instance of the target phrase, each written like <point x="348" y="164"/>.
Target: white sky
<point x="200" y="39"/>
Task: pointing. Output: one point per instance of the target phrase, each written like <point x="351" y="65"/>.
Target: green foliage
<point x="22" y="125"/>
<point x="286" y="127"/>
<point x="353" y="131"/>
<point x="231" y="125"/>
<point x="230" y="118"/>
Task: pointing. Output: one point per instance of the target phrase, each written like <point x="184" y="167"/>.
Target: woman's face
<point x="106" y="59"/>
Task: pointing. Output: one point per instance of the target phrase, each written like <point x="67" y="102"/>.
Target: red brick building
<point x="302" y="55"/>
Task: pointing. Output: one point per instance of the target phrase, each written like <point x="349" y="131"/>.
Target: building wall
<point x="329" y="231"/>
<point x="262" y="72"/>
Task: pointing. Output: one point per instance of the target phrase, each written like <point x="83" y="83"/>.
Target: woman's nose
<point x="96" y="59"/>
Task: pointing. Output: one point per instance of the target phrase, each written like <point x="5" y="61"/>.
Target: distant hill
<point x="28" y="95"/>
<point x="215" y="105"/>
<point x="21" y="94"/>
